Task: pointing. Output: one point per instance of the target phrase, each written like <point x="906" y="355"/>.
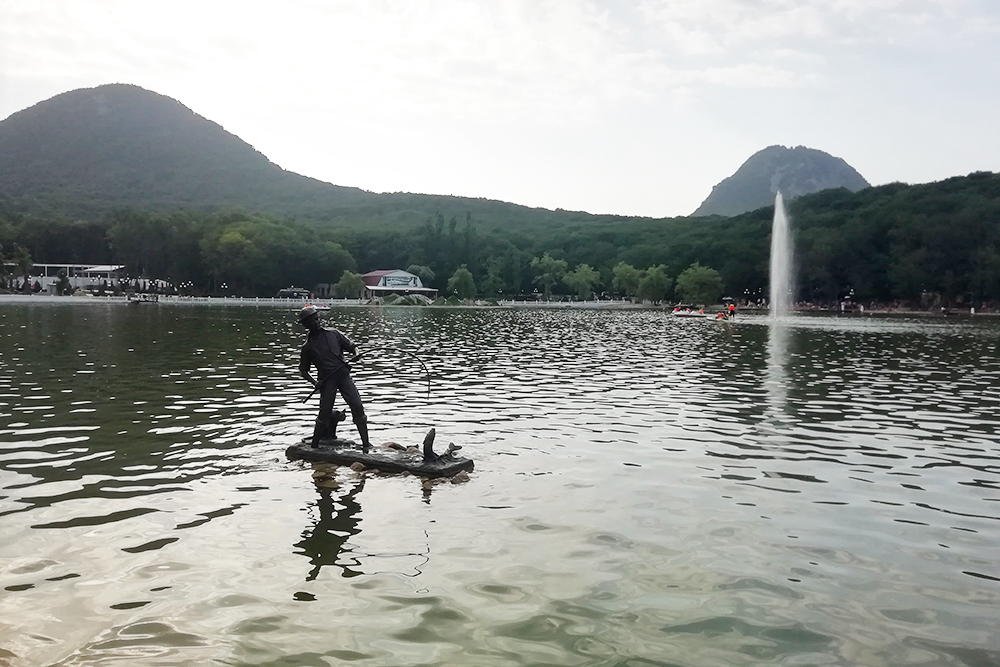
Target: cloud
<point x="379" y="84"/>
<point x="468" y="57"/>
<point x="513" y="57"/>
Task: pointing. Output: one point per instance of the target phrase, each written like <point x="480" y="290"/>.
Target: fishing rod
<point x="330" y="374"/>
<point x="356" y="357"/>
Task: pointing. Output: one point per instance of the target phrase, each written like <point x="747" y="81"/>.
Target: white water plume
<point x="781" y="262"/>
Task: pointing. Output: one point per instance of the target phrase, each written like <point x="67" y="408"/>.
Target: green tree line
<point x="238" y="253"/>
<point x="889" y="243"/>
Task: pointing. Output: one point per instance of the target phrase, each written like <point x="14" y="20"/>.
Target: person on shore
<point x="324" y="349"/>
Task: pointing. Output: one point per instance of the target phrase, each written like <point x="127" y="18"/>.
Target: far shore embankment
<point x="599" y="304"/>
<point x="146" y="300"/>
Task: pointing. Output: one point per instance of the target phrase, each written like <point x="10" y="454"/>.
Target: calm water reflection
<point x="648" y="491"/>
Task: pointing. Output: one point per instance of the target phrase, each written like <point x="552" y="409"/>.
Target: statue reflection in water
<point x="339" y="516"/>
<point x="336" y="518"/>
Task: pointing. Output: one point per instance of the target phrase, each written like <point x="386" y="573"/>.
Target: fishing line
<point x="427" y="373"/>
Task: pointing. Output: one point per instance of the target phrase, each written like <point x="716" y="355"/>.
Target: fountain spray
<point x="781" y="262"/>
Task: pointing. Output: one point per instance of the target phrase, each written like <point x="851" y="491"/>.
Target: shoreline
<point x="51" y="299"/>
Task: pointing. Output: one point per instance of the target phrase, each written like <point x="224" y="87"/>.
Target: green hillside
<point x="121" y="174"/>
<point x="89" y="152"/>
<point x="890" y="243"/>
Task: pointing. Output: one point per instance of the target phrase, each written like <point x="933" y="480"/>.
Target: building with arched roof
<point x="395" y="281"/>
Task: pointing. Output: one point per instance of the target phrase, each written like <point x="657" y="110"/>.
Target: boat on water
<point x="135" y="299"/>
<point x="683" y="310"/>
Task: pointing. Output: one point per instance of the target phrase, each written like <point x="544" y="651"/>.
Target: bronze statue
<point x="324" y="349"/>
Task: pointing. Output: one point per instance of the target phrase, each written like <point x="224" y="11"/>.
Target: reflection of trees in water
<point x="324" y="542"/>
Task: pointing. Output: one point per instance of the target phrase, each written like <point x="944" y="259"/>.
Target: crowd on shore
<point x="899" y="307"/>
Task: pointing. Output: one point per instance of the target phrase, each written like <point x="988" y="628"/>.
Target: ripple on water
<point x="647" y="491"/>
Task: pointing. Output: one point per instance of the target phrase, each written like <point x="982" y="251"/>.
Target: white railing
<point x="299" y="302"/>
<point x="178" y="299"/>
<point x="598" y="303"/>
<point x="291" y="302"/>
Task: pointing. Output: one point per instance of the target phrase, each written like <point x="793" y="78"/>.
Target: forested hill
<point x="88" y="152"/>
<point x="920" y="244"/>
<point x="794" y="171"/>
<point x="121" y="174"/>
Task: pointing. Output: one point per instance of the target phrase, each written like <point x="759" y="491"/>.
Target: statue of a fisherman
<point x="324" y="349"/>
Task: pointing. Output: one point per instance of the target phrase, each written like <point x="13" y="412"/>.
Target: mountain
<point x="90" y="151"/>
<point x="119" y="145"/>
<point x="87" y="152"/>
<point x="794" y="171"/>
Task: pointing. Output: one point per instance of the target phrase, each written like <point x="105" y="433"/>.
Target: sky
<point x="632" y="107"/>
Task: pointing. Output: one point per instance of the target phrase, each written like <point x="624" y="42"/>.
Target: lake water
<point x="647" y="491"/>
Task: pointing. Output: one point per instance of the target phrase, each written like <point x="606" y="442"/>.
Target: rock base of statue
<point x="392" y="458"/>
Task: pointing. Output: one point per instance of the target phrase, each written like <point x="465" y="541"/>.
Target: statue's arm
<point x="304" y="365"/>
<point x="347" y="344"/>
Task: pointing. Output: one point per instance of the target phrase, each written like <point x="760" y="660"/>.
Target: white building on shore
<point x="395" y="281"/>
<point x="81" y="276"/>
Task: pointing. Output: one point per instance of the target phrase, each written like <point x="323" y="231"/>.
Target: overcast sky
<point x="632" y="107"/>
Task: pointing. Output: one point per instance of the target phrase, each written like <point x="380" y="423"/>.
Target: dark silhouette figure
<point x="324" y="349"/>
<point x="324" y="542"/>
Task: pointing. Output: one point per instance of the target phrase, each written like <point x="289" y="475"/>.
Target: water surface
<point x="647" y="491"/>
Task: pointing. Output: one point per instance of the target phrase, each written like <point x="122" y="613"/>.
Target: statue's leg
<point x="353" y="400"/>
<point x="327" y="394"/>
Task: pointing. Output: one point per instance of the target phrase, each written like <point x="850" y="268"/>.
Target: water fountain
<point x="781" y="262"/>
<point x="780" y="301"/>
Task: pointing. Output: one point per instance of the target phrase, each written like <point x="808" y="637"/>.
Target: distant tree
<point x="493" y="282"/>
<point x="4" y="272"/>
<point x="699" y="284"/>
<point x="321" y="260"/>
<point x="549" y="270"/>
<point x="655" y="284"/>
<point x="462" y="284"/>
<point x="235" y="258"/>
<point x="515" y="265"/>
<point x="158" y="245"/>
<point x="23" y="263"/>
<point x="627" y="279"/>
<point x="350" y="285"/>
<point x="425" y="273"/>
<point x="650" y="252"/>
<point x="256" y="254"/>
<point x="469" y="239"/>
<point x="985" y="281"/>
<point x="582" y="280"/>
